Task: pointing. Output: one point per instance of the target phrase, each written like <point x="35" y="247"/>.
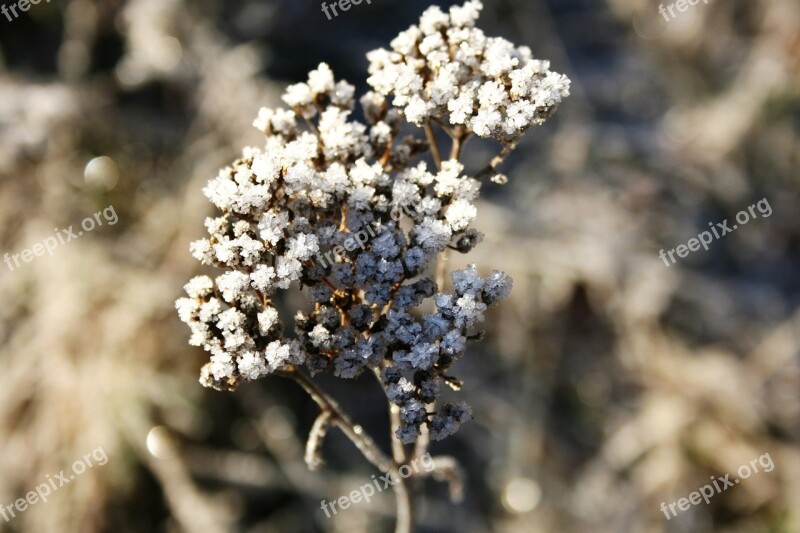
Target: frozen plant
<point x="322" y="177"/>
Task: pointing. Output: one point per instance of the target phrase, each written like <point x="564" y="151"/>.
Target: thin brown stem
<point x="441" y="270"/>
<point x="340" y="419"/>
<point x="460" y="134"/>
<point x="313" y="456"/>
<point x="447" y="469"/>
<point x="437" y="156"/>
<point x="424" y="439"/>
<point x="398" y="450"/>
<point x="447" y="129"/>
<point x="491" y="168"/>
<point x="368" y="448"/>
<point x="313" y="127"/>
<point x="330" y="285"/>
<point x="421" y="446"/>
<point x="387" y="154"/>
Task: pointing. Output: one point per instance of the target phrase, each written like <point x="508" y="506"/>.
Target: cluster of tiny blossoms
<point x="320" y="178"/>
<point x="445" y="68"/>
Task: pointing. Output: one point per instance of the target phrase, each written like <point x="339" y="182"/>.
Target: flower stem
<point x="460" y="135"/>
<point x="368" y="448"/>
<point x="491" y="168"/>
<point x="437" y="157"/>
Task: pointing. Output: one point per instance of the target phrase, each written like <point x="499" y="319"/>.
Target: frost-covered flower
<point x="449" y="419"/>
<point x="433" y="235"/>
<point x="446" y="69"/>
<point x="460" y="214"/>
<point x="252" y="365"/>
<point x="356" y="218"/>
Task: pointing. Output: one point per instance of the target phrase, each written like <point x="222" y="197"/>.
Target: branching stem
<point x="368" y="448"/>
<point x="491" y="168"/>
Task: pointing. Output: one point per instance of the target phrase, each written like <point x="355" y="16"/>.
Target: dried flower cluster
<point x="446" y="69"/>
<point x="323" y="177"/>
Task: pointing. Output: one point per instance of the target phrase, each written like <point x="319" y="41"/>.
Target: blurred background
<point x="608" y="384"/>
